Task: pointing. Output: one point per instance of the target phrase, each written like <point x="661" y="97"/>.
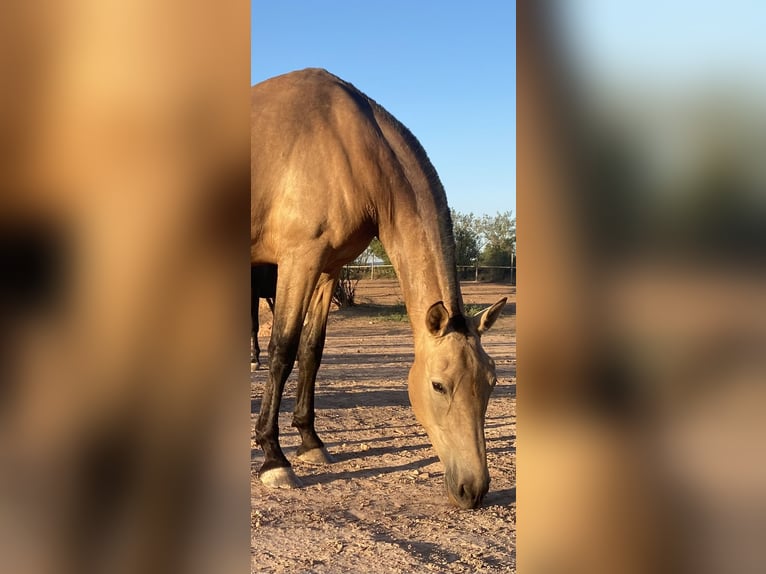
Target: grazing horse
<point x="330" y="169"/>
<point x="263" y="285"/>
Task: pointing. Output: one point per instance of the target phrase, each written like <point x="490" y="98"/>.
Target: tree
<point x="465" y="230"/>
<point x="499" y="234"/>
<point x="376" y="249"/>
<point x="374" y="257"/>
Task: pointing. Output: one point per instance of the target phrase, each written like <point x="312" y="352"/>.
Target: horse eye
<point x="438" y="387"/>
<point x="493" y="383"/>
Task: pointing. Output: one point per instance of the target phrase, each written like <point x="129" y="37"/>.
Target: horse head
<point x="449" y="386"/>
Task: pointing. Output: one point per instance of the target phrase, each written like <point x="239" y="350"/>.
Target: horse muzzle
<point x="466" y="492"/>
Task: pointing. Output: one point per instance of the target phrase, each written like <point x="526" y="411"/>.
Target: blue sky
<point x="679" y="74"/>
<point x="669" y="46"/>
<point x="445" y="69"/>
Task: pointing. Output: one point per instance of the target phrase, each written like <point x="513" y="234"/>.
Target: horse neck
<point x="422" y="255"/>
<point x="413" y="225"/>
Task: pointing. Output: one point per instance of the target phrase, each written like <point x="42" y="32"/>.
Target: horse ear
<point x="437" y="318"/>
<point x="485" y="319"/>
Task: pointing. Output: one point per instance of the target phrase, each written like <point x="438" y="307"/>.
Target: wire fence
<point x="480" y="274"/>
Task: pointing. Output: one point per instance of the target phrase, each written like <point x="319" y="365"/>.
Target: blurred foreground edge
<point x="641" y="362"/>
<point x="124" y="411"/>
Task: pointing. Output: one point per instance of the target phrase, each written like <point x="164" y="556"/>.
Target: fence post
<point x="372" y="269"/>
<point x="476" y="278"/>
<point x="513" y="268"/>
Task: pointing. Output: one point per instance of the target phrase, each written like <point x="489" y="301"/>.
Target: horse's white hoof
<point x="280" y="478"/>
<point x="316" y="456"/>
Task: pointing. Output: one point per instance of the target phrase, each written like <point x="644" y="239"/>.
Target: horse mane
<point x="443" y="215"/>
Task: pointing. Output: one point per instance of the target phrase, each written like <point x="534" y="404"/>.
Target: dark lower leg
<point x="267" y="428"/>
<point x="283" y="348"/>
<point x="254" y="316"/>
<point x="304" y="415"/>
<point x="309" y="358"/>
<point x="257" y="350"/>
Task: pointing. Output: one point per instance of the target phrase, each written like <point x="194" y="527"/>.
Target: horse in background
<point x="263" y="285"/>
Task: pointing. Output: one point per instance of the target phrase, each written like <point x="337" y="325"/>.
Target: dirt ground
<point x="381" y="506"/>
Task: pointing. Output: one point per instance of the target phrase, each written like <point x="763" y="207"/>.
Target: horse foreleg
<point x="283" y="348"/>
<point x="309" y="358"/>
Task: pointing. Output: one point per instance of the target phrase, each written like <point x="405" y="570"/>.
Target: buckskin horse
<point x="331" y="169"/>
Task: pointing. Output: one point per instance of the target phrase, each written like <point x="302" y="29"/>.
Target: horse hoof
<point x="281" y="477"/>
<point x="316" y="456"/>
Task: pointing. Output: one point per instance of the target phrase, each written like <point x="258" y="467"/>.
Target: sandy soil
<point x="381" y="506"/>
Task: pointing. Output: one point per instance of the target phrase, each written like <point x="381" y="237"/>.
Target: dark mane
<point x="443" y="215"/>
<point x="425" y="165"/>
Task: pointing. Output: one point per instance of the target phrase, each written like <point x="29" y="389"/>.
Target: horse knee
<point x="283" y="354"/>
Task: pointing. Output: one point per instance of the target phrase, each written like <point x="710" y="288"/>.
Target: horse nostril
<point x="470" y="496"/>
<point x="466" y="493"/>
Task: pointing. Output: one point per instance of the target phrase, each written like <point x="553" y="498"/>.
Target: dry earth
<point x="381" y="506"/>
